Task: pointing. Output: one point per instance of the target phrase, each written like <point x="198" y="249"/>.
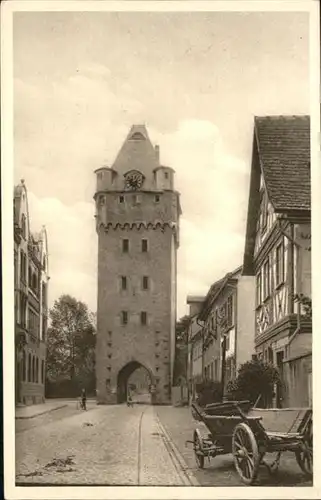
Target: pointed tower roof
<point x="137" y="153"/>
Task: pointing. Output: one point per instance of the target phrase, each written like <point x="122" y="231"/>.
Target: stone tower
<point x="137" y="221"/>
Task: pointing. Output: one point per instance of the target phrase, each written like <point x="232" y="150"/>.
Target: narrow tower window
<point x="143" y="317"/>
<point x="166" y="175"/>
<point x="157" y="198"/>
<point x="124" y="317"/>
<point x="121" y="199"/>
<point x="124" y="283"/>
<point x="145" y="283"/>
<point x="136" y="199"/>
<point x="125" y="246"/>
<point x="144" y="245"/>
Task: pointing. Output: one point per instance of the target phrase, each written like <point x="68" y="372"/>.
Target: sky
<point x="195" y="79"/>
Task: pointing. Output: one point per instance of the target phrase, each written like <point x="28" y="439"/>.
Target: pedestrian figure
<point x="129" y="401"/>
<point x="83" y="399"/>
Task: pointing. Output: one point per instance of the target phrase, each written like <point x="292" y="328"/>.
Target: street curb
<point x="42" y="413"/>
<point x="188" y="477"/>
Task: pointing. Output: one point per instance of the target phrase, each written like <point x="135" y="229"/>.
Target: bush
<point x="255" y="378"/>
<point x="208" y="392"/>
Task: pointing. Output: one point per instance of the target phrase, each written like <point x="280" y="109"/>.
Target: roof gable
<point x="283" y="144"/>
<point x="281" y="154"/>
<point x="216" y="289"/>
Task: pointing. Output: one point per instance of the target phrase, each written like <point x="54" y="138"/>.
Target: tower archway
<point x="127" y="382"/>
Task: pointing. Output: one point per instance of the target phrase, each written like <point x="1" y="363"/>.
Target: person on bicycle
<point x="83" y="399"/>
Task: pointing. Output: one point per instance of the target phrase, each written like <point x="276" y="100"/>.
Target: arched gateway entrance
<point x="137" y="379"/>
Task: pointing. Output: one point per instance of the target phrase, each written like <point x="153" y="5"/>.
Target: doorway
<point x="135" y="380"/>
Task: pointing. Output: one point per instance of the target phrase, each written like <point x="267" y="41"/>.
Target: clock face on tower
<point x="134" y="180"/>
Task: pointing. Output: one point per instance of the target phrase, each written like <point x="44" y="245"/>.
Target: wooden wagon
<point x="250" y="433"/>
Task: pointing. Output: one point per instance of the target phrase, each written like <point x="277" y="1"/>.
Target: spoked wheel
<point x="246" y="453"/>
<point x="198" y="449"/>
<point x="304" y="457"/>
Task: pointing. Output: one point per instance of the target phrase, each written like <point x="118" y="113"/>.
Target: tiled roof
<point x="209" y="297"/>
<point x="215" y="289"/>
<point x="284" y="152"/>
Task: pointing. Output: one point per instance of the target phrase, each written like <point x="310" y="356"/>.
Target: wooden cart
<point x="249" y="434"/>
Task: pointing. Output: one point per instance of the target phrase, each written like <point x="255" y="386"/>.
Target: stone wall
<point x="118" y="344"/>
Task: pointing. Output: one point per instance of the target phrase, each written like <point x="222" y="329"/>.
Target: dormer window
<point x="137" y="136"/>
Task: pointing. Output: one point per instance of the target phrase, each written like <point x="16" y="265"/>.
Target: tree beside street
<point x="71" y="340"/>
<point x="255" y="379"/>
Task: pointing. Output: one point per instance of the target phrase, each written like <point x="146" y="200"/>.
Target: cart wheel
<point x="198" y="449"/>
<point x="304" y="457"/>
<point x="246" y="453"/>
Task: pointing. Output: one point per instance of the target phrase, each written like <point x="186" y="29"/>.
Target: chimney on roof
<point x="157" y="152"/>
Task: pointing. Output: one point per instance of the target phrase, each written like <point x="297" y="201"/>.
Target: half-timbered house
<point x="277" y="251"/>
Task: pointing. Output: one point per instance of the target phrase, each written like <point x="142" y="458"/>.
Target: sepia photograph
<point x="159" y="211"/>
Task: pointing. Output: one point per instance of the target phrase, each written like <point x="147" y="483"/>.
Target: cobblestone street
<point x="117" y="445"/>
<point x="107" y="445"/>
